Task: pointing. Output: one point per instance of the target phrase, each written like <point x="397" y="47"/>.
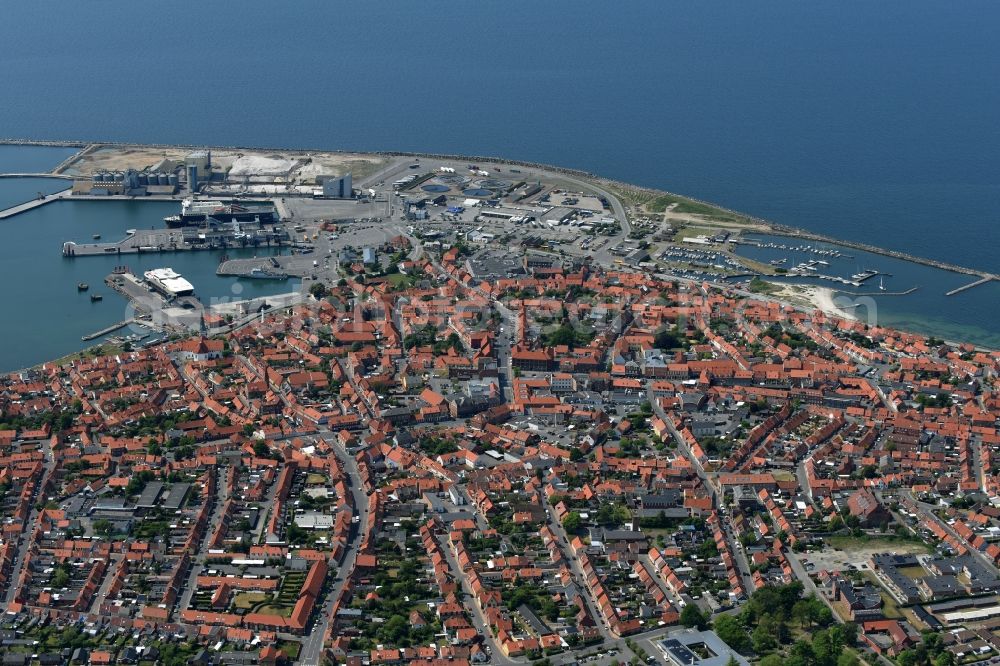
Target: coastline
<point x="812" y="297"/>
<point x="772" y="227"/>
<point x="803" y="296"/>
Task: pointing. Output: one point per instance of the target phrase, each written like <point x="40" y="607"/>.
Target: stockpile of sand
<point x="256" y="166"/>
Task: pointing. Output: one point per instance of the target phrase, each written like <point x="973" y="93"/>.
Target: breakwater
<point x="772" y="227"/>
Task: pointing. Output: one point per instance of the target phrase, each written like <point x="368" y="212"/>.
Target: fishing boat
<point x="82" y="286"/>
<point x="97" y="236"/>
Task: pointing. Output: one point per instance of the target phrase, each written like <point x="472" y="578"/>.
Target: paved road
<point x="214" y="519"/>
<point x="742" y="564"/>
<point x="17" y="569"/>
<point x="478" y="618"/>
<point x="312" y="645"/>
<point x="681" y="444"/>
<point x="117" y="560"/>
<point x="616" y="205"/>
<point x="562" y="539"/>
<point x="927" y="510"/>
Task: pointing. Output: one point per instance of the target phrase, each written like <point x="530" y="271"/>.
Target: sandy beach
<point x="813" y="298"/>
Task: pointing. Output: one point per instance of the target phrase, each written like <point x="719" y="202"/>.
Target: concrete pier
<point x="258" y="267"/>
<point x="36" y="175"/>
<point x="145" y="240"/>
<point x="108" y="329"/>
<point x="988" y="278"/>
<point x="34" y="203"/>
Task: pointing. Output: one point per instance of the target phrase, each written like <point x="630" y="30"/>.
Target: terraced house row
<point x="462" y="472"/>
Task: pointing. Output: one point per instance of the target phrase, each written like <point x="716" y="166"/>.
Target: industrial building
<point x="334" y="187"/>
<point x="128" y="182"/>
<point x="198" y="167"/>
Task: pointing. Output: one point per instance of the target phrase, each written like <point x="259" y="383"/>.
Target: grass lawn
<point x="759" y="286"/>
<point x="290" y="648"/>
<point x="103" y="349"/>
<point x="246" y="600"/>
<point x="313" y="479"/>
<point x="913" y="573"/>
<point x="659" y="204"/>
<point x="885" y="542"/>
<point x="890" y="608"/>
<point x="397" y="279"/>
<point x="283" y="611"/>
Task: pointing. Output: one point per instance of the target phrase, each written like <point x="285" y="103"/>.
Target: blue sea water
<point x="15" y="191"/>
<point x="45" y="314"/>
<point x="868" y="121"/>
<point x="926" y="310"/>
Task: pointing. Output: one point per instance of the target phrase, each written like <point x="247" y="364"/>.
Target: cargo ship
<point x="200" y="213"/>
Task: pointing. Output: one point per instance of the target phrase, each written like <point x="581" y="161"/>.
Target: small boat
<point x="95" y="297"/>
<point x="130" y="232"/>
<point x="82" y="286"/>
<point x="97" y="236"/>
<point x="264" y="274"/>
<point x="881" y="286"/>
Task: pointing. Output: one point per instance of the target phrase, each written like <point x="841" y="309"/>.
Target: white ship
<point x="168" y="282"/>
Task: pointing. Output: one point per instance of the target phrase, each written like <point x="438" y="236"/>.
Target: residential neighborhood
<point x="562" y="462"/>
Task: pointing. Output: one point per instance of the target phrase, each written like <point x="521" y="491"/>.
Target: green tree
<point x="103" y="527"/>
<point x="848" y="659"/>
<point x="729" y="629"/>
<point x="572" y="522"/>
<point x="803" y="651"/>
<point x="691" y="616"/>
<point x="395" y="629"/>
<point x="296" y="535"/>
<point x="564" y="335"/>
<point x="667" y="339"/>
<point x="763" y="639"/>
<point x="802" y="611"/>
<point x="944" y="658"/>
<point x="60" y="577"/>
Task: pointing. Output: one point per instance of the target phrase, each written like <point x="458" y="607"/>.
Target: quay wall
<point x="779" y="229"/>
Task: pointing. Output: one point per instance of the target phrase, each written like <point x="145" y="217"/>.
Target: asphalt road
<point x="17" y="570"/>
